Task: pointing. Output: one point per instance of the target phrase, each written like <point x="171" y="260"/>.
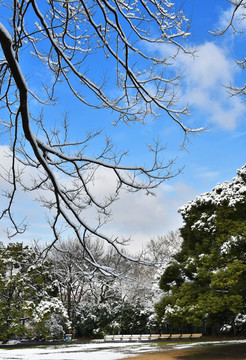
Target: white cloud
<point x="209" y="67"/>
<point x="143" y="217"/>
<point x="205" y="78"/>
<point x="204" y="172"/>
<point x="134" y="215"/>
<point x="239" y="18"/>
<point x="24" y="208"/>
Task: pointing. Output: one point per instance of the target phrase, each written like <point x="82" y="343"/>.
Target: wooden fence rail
<point x="151" y="337"/>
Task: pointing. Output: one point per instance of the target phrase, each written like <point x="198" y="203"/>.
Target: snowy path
<point x="95" y="351"/>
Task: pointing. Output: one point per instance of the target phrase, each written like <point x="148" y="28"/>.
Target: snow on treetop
<point x="227" y="192"/>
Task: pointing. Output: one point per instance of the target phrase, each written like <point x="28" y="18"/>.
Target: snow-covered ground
<point x="94" y="351"/>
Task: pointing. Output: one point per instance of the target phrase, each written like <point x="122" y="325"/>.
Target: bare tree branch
<point x="65" y="36"/>
<point x="238" y="16"/>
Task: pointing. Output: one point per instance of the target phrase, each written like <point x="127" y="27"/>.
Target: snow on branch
<point x="68" y="37"/>
<point x="235" y="20"/>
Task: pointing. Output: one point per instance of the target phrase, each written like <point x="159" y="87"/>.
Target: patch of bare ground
<point x="167" y="355"/>
<point x="210" y="352"/>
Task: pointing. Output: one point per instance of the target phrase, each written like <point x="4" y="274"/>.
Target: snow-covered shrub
<point x="50" y="319"/>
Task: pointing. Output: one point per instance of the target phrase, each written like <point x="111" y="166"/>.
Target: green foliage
<point x="26" y="284"/>
<point x="172" y="274"/>
<point x="206" y="281"/>
<point x="133" y="318"/>
<point x="116" y="317"/>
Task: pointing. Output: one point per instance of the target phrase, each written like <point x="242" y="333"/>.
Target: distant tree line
<point x="45" y="296"/>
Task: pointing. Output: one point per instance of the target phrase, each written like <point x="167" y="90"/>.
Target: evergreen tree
<point x="27" y="302"/>
<point x="206" y="281"/>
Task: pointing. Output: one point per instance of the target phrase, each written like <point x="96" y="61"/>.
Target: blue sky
<point x="212" y="157"/>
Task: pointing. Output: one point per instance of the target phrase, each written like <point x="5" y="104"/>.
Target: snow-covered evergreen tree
<point x="206" y="280"/>
<point x="27" y="294"/>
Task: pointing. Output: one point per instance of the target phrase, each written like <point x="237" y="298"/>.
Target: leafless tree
<point x="74" y="277"/>
<point x="236" y="24"/>
<point x="66" y="37"/>
<point x="161" y="249"/>
<point x="81" y="283"/>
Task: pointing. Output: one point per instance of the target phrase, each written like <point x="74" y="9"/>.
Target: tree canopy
<point x="42" y="298"/>
<point x="205" y="282"/>
<point x="28" y="302"/>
